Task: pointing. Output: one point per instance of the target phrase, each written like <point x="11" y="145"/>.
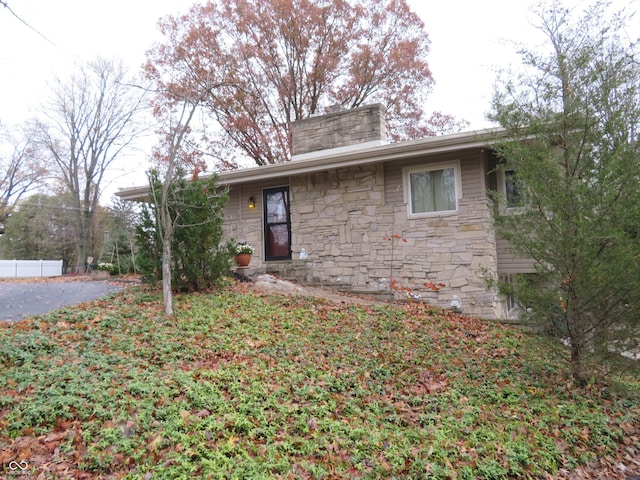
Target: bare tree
<point x="177" y="133"/>
<point x="174" y="113"/>
<point x="90" y="122"/>
<point x="22" y="169"/>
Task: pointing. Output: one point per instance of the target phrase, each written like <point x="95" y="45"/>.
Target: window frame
<point x="502" y="191"/>
<point x="430" y="167"/>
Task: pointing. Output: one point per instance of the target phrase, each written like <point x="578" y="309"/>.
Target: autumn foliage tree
<point x="272" y="69"/>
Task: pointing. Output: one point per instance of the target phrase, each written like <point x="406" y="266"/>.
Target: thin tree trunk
<point x="81" y="243"/>
<point x="166" y="230"/>
<point x="86" y="242"/>
<point x="167" y="294"/>
<point x="576" y="337"/>
<point x="577" y="365"/>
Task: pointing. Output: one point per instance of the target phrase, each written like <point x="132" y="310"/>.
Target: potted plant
<point x="243" y="252"/>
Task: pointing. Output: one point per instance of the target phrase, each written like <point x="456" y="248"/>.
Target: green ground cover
<point x="243" y="385"/>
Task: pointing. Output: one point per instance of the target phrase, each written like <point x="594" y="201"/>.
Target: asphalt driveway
<point x="20" y="299"/>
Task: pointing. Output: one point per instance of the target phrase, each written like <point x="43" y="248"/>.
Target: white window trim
<point x="455" y="164"/>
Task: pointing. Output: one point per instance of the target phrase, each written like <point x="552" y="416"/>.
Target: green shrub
<point x="199" y="257"/>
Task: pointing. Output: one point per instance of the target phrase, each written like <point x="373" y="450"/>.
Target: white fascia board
<point x="331" y="159"/>
<point x="363" y="156"/>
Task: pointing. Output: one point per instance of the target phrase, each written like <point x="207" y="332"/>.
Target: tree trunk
<point x="166" y="229"/>
<point x="84" y="227"/>
<point x="81" y="243"/>
<point x="575" y="323"/>
<point x="167" y="295"/>
<point x="577" y="366"/>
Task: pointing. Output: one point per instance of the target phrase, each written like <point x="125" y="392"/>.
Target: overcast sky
<point x="466" y="38"/>
<point x="470" y="39"/>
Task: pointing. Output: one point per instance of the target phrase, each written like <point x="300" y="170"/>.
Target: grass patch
<point x="242" y="385"/>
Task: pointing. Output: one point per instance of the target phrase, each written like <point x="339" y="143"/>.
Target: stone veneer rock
<point x="341" y="220"/>
<point x="341" y="128"/>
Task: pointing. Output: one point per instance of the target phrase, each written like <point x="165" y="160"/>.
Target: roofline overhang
<point x="326" y="160"/>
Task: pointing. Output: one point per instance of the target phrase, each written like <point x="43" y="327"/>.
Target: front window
<point x="432" y="189"/>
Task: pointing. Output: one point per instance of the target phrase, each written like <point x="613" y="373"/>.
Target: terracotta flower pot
<point x="243" y="259"/>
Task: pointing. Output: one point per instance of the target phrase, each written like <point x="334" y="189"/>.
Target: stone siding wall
<point x="344" y="225"/>
<point x="334" y="215"/>
<point x="345" y="219"/>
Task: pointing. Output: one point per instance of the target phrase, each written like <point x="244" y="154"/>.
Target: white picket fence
<point x="30" y="268"/>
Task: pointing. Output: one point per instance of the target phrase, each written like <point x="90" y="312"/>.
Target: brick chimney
<point x="338" y="130"/>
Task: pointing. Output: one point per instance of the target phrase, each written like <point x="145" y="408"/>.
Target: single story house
<point x="354" y="212"/>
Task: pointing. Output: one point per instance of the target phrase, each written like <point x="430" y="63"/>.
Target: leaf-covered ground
<point x="245" y="385"/>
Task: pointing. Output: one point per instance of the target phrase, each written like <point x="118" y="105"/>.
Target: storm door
<point x="277" y="224"/>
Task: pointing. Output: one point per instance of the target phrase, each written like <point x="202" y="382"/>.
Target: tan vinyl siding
<point x="243" y="223"/>
<point x="237" y="207"/>
<point x="472" y="177"/>
<point x="510" y="263"/>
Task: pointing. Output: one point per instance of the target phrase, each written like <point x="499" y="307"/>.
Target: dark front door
<point x="277" y="224"/>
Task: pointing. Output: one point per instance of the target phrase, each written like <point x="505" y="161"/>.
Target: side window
<point x="512" y="191"/>
<point x="432" y="189"/>
<point x="510" y="188"/>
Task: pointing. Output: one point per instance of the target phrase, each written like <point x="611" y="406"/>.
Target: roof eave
<point x="328" y="161"/>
